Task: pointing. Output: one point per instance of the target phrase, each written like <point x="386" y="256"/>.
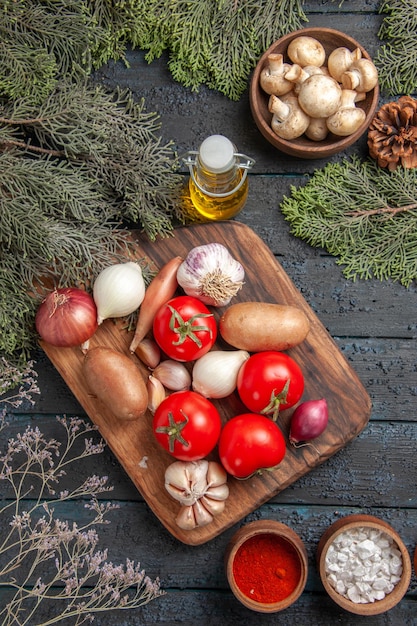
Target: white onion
<point x="118" y="290"/>
<point x="214" y="375"/>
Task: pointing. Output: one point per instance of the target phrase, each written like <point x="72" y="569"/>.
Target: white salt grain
<point x="363" y="564"/>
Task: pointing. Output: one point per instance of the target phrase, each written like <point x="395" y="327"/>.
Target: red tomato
<point x="250" y="443"/>
<point x="270" y="381"/>
<point x="187" y="425"/>
<point x="184" y="328"/>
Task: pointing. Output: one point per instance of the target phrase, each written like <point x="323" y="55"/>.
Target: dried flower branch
<point x="11" y="377"/>
<point x="46" y="560"/>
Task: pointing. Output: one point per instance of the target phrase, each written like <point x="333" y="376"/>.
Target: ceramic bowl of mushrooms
<point x="364" y="564"/>
<point x="314" y="92"/>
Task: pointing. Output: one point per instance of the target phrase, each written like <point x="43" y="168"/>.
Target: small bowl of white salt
<point x="364" y="565"/>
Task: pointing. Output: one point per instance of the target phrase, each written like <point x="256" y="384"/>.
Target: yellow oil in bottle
<point x="218" y="184"/>
<point x="219" y="208"/>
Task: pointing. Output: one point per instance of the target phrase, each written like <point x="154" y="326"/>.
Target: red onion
<point x="308" y="421"/>
<point x="67" y="317"/>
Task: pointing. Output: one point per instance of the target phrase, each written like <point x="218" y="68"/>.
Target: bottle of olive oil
<point x="218" y="183"/>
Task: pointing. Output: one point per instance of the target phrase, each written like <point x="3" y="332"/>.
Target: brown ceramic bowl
<point x="364" y="521"/>
<point x="267" y="530"/>
<point x="303" y="147"/>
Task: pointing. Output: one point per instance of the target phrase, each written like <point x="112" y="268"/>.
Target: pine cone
<point x="392" y="134"/>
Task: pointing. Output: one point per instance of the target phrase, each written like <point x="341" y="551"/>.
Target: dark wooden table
<point x="374" y="325"/>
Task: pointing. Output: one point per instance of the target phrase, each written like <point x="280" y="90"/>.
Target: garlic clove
<point x="148" y="352"/>
<point x="156" y="393"/>
<point x="186" y="518"/>
<point x="201" y="514"/>
<point x="216" y="474"/>
<point x="214" y="375"/>
<point x="221" y="492"/>
<point x="173" y="375"/>
<point x="214" y="507"/>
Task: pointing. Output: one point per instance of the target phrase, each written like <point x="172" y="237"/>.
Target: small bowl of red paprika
<point x="266" y="566"/>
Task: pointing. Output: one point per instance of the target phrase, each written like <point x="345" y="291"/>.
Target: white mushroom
<point x="314" y="69"/>
<point x="340" y="60"/>
<point x="320" y="95"/>
<point x="317" y="129"/>
<point x="272" y="78"/>
<point x="297" y="75"/>
<point x="348" y="118"/>
<point x="361" y="76"/>
<point x="305" y="50"/>
<point x="288" y="120"/>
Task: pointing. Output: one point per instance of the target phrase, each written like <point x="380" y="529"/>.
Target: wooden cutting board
<point x="327" y="374"/>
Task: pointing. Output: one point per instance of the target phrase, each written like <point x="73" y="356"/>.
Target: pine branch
<point x="363" y="214"/>
<point x="397" y="58"/>
<point x="218" y="43"/>
<point x="191" y="41"/>
<point x="25" y="72"/>
<point x="43" y="41"/>
<point x="61" y="218"/>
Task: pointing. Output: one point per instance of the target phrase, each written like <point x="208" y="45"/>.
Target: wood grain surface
<point x="327" y="374"/>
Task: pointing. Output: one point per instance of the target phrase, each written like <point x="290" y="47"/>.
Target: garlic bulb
<point x="201" y="488"/>
<point x="211" y="274"/>
<point x="214" y="375"/>
<point x="118" y="290"/>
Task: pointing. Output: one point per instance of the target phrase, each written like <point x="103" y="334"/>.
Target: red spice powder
<point x="266" y="568"/>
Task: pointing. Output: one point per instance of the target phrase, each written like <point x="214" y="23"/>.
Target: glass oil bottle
<point x="218" y="183"/>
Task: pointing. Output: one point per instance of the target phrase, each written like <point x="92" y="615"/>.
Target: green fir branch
<point x="218" y="42"/>
<point x="57" y="38"/>
<point x="363" y="214"/>
<point x="75" y="169"/>
<point x="25" y="72"/>
<point x="397" y="58"/>
<point x="272" y="20"/>
<point x="191" y="41"/>
<point x="215" y="42"/>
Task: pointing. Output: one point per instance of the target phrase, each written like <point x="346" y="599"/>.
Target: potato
<point x="116" y="381"/>
<point x="259" y="326"/>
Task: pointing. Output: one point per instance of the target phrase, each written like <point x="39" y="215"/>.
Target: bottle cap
<point x="217" y="154"/>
